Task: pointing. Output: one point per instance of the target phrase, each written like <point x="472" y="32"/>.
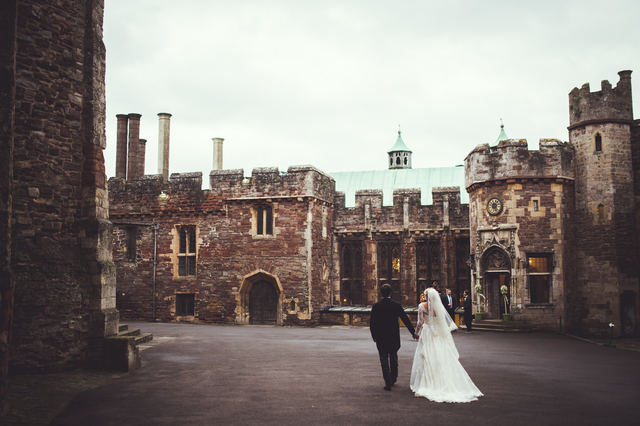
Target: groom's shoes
<point x="387" y="388"/>
<point x="394" y="381"/>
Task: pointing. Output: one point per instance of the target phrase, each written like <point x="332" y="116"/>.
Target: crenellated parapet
<point x="512" y="159"/>
<point x="269" y="182"/>
<point x="610" y="104"/>
<point x="406" y="214"/>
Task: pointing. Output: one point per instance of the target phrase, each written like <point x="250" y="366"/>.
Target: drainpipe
<point x="155" y="264"/>
<point x="331" y="270"/>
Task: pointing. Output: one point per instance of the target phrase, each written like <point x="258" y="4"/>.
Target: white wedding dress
<point x="436" y="373"/>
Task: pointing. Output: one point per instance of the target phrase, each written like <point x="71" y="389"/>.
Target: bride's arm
<point x="420" y="319"/>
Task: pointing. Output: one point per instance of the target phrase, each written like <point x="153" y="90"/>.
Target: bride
<point x="436" y="373"/>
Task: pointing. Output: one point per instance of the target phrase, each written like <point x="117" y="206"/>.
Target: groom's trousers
<point x="389" y="363"/>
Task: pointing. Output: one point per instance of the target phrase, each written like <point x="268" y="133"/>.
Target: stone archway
<point x="260" y="299"/>
<point x="495" y="267"/>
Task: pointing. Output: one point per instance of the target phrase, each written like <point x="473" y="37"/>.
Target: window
<point x="536" y="205"/>
<point x="187" y="251"/>
<point x="132" y="233"/>
<point x="598" y="142"/>
<point x="185" y="305"/>
<point x="427" y="265"/>
<point x="389" y="268"/>
<point x="264" y="220"/>
<point x="539" y="277"/>
<point x="351" y="272"/>
<point x="463" y="272"/>
<point x="600" y="212"/>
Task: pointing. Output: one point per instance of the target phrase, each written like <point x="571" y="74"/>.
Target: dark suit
<point x="468" y="312"/>
<point x="386" y="333"/>
<point x="450" y="310"/>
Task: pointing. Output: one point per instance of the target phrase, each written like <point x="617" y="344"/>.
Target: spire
<point x="503" y="136"/>
<point x="399" y="145"/>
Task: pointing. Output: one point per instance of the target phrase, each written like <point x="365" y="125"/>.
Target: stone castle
<point x="545" y="236"/>
<point x="555" y="229"/>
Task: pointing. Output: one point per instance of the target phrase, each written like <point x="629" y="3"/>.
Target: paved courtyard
<point x="259" y="375"/>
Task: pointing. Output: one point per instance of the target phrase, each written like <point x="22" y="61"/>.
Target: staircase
<point x="500" y="326"/>
<point x="121" y="352"/>
<point x="140" y="338"/>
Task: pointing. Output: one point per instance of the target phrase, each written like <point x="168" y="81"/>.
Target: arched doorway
<point x="263" y="304"/>
<point x="496" y="267"/>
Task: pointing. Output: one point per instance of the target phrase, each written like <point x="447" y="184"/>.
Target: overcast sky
<point x="328" y="83"/>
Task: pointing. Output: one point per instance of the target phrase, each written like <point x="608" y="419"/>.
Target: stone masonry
<point x="148" y="215"/>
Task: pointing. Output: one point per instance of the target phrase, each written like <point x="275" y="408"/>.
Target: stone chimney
<point x="134" y="143"/>
<point x="217" y="153"/>
<point x="142" y="151"/>
<point x="163" y="145"/>
<point x="121" y="147"/>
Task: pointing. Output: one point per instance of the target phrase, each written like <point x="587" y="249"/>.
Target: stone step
<point x="122" y="327"/>
<point x="127" y="332"/>
<point x="143" y="338"/>
<point x="500" y="326"/>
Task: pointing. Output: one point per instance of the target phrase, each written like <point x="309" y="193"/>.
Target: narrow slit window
<point x="264" y="220"/>
<point x="536" y="205"/>
<point x="598" y="142"/>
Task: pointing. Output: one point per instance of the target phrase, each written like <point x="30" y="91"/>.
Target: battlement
<point x="512" y="159"/>
<point x="610" y="103"/>
<point x="406" y="213"/>
<point x="298" y="181"/>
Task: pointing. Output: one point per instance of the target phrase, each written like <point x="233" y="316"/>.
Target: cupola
<point x="399" y="155"/>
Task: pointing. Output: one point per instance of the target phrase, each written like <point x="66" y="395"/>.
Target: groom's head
<point x="385" y="290"/>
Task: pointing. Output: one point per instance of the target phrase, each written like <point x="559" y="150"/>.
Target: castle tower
<point x="606" y="288"/>
<point x="399" y="155"/>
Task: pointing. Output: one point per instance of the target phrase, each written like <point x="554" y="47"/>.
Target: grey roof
<point x="388" y="180"/>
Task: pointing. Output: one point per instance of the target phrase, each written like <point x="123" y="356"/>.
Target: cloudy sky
<point x="327" y="83"/>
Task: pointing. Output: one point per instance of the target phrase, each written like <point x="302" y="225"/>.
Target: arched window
<point x="406" y="160"/>
<point x="598" y="142"/>
<point x="398" y="161"/>
<point x="600" y="212"/>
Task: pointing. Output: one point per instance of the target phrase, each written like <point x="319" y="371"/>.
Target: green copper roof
<point x="503" y="135"/>
<point x="399" y="145"/>
<point x="388" y="180"/>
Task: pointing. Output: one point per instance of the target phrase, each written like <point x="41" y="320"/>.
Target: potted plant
<point x="504" y="290"/>
<point x="479" y="313"/>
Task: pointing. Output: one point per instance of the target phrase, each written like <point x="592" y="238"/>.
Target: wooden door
<point x="263" y="304"/>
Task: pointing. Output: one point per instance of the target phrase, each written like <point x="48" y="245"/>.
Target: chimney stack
<point x="217" y="153"/>
<point x="134" y="143"/>
<point x="142" y="152"/>
<point x="121" y="147"/>
<point x="163" y="145"/>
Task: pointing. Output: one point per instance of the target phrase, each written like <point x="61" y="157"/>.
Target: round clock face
<point x="494" y="206"/>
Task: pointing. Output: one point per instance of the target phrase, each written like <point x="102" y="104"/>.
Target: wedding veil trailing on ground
<point x="436" y="373"/>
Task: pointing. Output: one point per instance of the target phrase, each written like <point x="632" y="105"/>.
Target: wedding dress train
<point x="436" y="373"/>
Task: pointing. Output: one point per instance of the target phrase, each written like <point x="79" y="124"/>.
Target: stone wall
<point x="231" y="256"/>
<point x="60" y="242"/>
<point x="8" y="24"/>
<point x="441" y="226"/>
<point x="606" y="239"/>
<point x="60" y="235"/>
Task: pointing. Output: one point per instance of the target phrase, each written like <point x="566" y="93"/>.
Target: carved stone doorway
<point x="263" y="304"/>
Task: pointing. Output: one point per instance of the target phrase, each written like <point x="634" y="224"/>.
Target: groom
<point x="386" y="333"/>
